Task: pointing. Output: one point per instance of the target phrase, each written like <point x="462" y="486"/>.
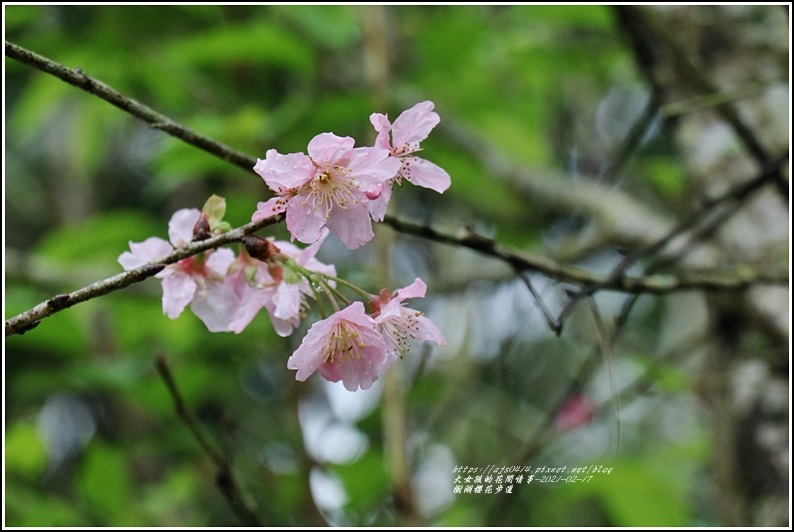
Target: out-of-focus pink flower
<point x="407" y="131"/>
<point x="331" y="187"/>
<point x="345" y="346"/>
<point x="263" y="284"/>
<point x="401" y="325"/>
<point x="196" y="280"/>
<point x="578" y="409"/>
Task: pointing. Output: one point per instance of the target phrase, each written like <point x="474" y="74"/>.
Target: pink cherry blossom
<point x="253" y="284"/>
<point x="260" y="284"/>
<point x="401" y="325"/>
<point x="331" y="187"/>
<point x="345" y="346"/>
<point x="407" y="131"/>
<point x="196" y="280"/>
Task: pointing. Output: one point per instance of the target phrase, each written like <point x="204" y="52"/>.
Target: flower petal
<point x="283" y="173"/>
<point x="219" y="260"/>
<point x="214" y="304"/>
<point x="140" y="253"/>
<point x="180" y="227"/>
<point x="304" y="222"/>
<point x="423" y="173"/>
<point x="329" y="148"/>
<point x="414" y="124"/>
<point x="269" y="208"/>
<point x="383" y="127"/>
<point x="178" y="291"/>
<point x="353" y="226"/>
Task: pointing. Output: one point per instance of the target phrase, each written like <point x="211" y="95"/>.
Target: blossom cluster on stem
<point x="337" y="188"/>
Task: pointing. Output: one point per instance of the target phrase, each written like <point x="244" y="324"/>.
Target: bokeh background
<point x="577" y="133"/>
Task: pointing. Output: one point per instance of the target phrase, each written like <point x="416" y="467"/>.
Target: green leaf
<point x="214" y="208"/>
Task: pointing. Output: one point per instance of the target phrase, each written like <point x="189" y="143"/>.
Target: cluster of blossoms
<point x="336" y="189"/>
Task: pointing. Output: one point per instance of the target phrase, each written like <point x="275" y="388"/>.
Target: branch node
<point x="152" y="269"/>
<point x="59" y="302"/>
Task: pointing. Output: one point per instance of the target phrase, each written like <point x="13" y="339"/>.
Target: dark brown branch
<point x="224" y="478"/>
<point x="655" y="284"/>
<point x="80" y="80"/>
<point x="31" y="318"/>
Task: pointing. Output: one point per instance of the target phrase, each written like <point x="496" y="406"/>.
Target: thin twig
<point x="224" y="478"/>
<point x="605" y="343"/>
<point x="541" y="305"/>
<point x="633" y="138"/>
<point x="736" y="194"/>
<point x="647" y="32"/>
<point x="31" y="318"/>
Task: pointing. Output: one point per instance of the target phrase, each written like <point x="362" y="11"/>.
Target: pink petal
<point x="220" y="260"/>
<point x="310" y="355"/>
<point x="214" y="304"/>
<point x="372" y="166"/>
<point x="180" y="227"/>
<point x="285" y="172"/>
<point x="423" y="173"/>
<point x="416" y="289"/>
<point x="428" y="331"/>
<point x="287" y="301"/>
<point x="378" y="207"/>
<point x="383" y="127"/>
<point x="248" y="305"/>
<point x="304" y="222"/>
<point x="178" y="291"/>
<point x="140" y="253"/>
<point x="329" y="148"/>
<point x="353" y="226"/>
<point x="414" y="124"/>
<point x="305" y="255"/>
<point x="269" y="208"/>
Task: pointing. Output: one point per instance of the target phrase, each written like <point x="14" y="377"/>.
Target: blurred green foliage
<point x="83" y="179"/>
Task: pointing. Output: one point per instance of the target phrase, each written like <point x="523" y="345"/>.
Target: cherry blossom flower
<point x="345" y="346"/>
<point x="196" y="280"/>
<point x="331" y="187"/>
<point x="401" y="325"/>
<point x="407" y="131"/>
<point x="260" y="284"/>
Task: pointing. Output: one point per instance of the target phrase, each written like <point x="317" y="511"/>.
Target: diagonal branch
<point x="516" y="258"/>
<point x="31" y="318"/>
<point x="655" y="284"/>
<point x="156" y="120"/>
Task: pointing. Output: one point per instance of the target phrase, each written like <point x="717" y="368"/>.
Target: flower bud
<point x="260" y="248"/>
<point x="201" y="231"/>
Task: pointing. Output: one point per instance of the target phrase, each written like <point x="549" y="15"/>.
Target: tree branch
<point x="80" y="80"/>
<point x="224" y="478"/>
<point x="518" y="259"/>
<point x="31" y="318"/>
<point x="655" y="284"/>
